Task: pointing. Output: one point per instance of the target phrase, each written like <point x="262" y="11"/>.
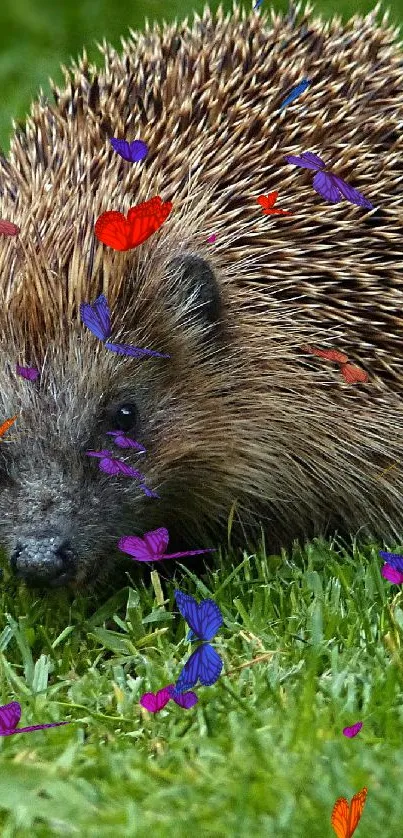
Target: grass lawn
<point x="261" y="754"/>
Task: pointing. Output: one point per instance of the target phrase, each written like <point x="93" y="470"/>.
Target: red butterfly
<point x="8" y="228"/>
<point x="268" y="201"/>
<point x="113" y="229"/>
<point x="350" y="373"/>
<point x="7" y="424"/>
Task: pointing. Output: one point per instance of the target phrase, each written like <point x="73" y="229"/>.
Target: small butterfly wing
<point x="149" y="493"/>
<point x="393" y="559"/>
<point x="96" y="317"/>
<point x="29" y="373"/>
<point x="133" y="351"/>
<point x="204" y="619"/>
<point x="184" y="700"/>
<point x="392" y="575"/>
<point x="154" y="702"/>
<point x="146" y="219"/>
<point x="352" y="730"/>
<point x="113" y="230"/>
<point x="10" y="715"/>
<point x="133" y="152"/>
<point x="157" y="542"/>
<point x="306" y="160"/>
<point x="296" y="91"/>
<point x="325" y="186"/>
<point x="339" y="819"/>
<point x="204" y="665"/>
<point x="356" y="809"/>
<point x="328" y="354"/>
<point x="351" y="194"/>
<point x="136" y="547"/>
<point x="128" y="471"/>
<point x="353" y="374"/>
<point x="101" y="454"/>
<point x="122" y="441"/>
<point x="109" y="466"/>
<point x="7" y="424"/>
<point x="267" y="201"/>
<point x="7" y="228"/>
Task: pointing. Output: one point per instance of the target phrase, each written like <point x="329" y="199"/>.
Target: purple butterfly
<point x="132" y="152"/>
<point x="296" y="91"/>
<point x="394" y="560"/>
<point x="111" y="465"/>
<point x="10" y="715"/>
<point x="124" y="441"/>
<point x="154" y="702"/>
<point x="329" y="186"/>
<point x="204" y="664"/>
<point x="29" y="373"/>
<point x="151" y="548"/>
<point x="353" y="730"/>
<point x="96" y="317"/>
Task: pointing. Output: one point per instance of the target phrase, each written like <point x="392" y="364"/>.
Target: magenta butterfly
<point x="10" y="715"/>
<point x="151" y="548"/>
<point x="96" y="317"/>
<point x="133" y="152"/>
<point x="393" y="569"/>
<point x="352" y="731"/>
<point x="123" y="441"/>
<point x="154" y="702"/>
<point x="29" y="373"/>
<point x="331" y="187"/>
<point x="111" y="465"/>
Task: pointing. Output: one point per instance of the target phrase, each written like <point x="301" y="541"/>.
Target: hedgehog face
<point x="61" y="516"/>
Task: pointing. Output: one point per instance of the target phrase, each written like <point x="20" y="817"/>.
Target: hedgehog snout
<point x="44" y="560"/>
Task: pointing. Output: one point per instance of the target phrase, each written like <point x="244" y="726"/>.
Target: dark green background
<point x="36" y="36"/>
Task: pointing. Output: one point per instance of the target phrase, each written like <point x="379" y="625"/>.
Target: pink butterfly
<point x="154" y="702"/>
<point x="111" y="465"/>
<point x="211" y="239"/>
<point x="152" y="547"/>
<point x="352" y="731"/>
<point x="10" y="715"/>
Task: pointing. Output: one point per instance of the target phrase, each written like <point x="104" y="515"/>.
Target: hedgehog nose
<point x="44" y="561"/>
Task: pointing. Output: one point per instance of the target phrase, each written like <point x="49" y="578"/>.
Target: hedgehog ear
<point x="198" y="282"/>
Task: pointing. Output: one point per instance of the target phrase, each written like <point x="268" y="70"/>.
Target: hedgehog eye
<point x="126" y="417"/>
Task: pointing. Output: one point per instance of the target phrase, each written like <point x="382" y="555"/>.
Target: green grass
<point x="261" y="754"/>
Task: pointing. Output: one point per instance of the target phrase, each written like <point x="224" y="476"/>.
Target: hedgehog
<point x="239" y="416"/>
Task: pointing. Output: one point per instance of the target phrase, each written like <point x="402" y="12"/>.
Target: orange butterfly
<point x="268" y="201"/>
<point x="113" y="229"/>
<point x="350" y="373"/>
<point x="345" y="818"/>
<point x="7" y="424"/>
<point x="8" y="228"/>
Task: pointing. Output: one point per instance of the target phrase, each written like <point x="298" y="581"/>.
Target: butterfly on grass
<point x="154" y="702"/>
<point x="345" y="818"/>
<point x="96" y="317"/>
<point x="268" y="201"/>
<point x="133" y="152"/>
<point x="350" y="372"/>
<point x="123" y="441"/>
<point x="112" y="465"/>
<point x="10" y="715"/>
<point x="294" y="92"/>
<point x="352" y="731"/>
<point x="205" y="620"/>
<point x="121" y="233"/>
<point x="393" y="569"/>
<point x="329" y="186"/>
<point x="29" y="373"/>
<point x="151" y="548"/>
<point x="7" y="228"/>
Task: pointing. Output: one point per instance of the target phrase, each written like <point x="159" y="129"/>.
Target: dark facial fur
<point x="237" y="413"/>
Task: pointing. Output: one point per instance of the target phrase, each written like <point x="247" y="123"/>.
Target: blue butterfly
<point x="97" y="319"/>
<point x="205" y="620"/>
<point x="393" y="559"/>
<point x="133" y="152"/>
<point x="296" y="91"/>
